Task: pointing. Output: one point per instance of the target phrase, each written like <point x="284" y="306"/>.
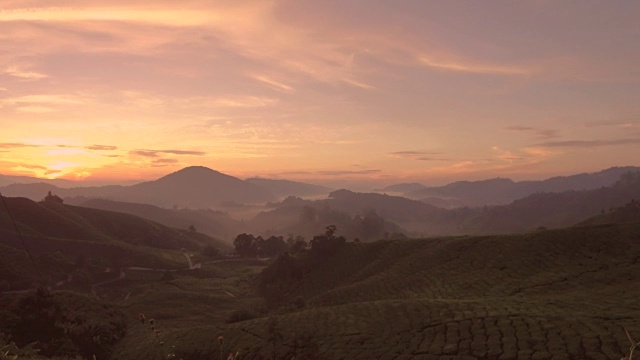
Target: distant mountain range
<point x="186" y="197"/>
<point x="193" y="187"/>
<point x="539" y="210"/>
<point x="62" y="183"/>
<point x="201" y="187"/>
<point x="501" y="191"/>
<point x="284" y="188"/>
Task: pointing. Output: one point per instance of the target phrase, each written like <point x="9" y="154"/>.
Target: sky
<point x="322" y="91"/>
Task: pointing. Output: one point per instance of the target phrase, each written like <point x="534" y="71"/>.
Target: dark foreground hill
<point x="563" y="294"/>
<point x="57" y="235"/>
<point x="557" y="294"/>
<point x="213" y="223"/>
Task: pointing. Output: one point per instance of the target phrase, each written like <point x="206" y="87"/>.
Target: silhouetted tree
<point x="327" y="244"/>
<point x="276" y="280"/>
<point x="53" y="198"/>
<point x="273" y="246"/>
<point x="299" y="246"/>
<point x="245" y="245"/>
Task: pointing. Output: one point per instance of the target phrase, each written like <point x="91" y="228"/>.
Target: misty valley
<point x="202" y="265"/>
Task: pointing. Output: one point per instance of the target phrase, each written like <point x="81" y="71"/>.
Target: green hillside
<point x="60" y="236"/>
<point x="554" y="294"/>
<point x="562" y="294"/>
<point x="213" y="223"/>
<point x="559" y="294"/>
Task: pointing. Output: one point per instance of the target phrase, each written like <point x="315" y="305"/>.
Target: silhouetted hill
<point x="50" y="219"/>
<point x="10" y="179"/>
<point x="502" y="191"/>
<point x="56" y="234"/>
<point x="630" y="212"/>
<point x="197" y="187"/>
<point x="558" y="294"/>
<point x="194" y="187"/>
<point x="285" y="188"/>
<point x="550" y="210"/>
<point x="402" y="188"/>
<point x="394" y="208"/>
<point x="367" y="216"/>
<point x="213" y="223"/>
<point x="37" y="191"/>
<point x="61" y="183"/>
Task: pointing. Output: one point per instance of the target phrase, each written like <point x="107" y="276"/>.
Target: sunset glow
<point x="319" y="91"/>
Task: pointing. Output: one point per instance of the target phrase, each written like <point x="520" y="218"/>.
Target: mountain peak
<point x="195" y="170"/>
<point x="197" y="186"/>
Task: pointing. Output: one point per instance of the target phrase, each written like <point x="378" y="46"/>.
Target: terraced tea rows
<point x="563" y="294"/>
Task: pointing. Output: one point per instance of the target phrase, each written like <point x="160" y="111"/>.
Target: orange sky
<point x="361" y="90"/>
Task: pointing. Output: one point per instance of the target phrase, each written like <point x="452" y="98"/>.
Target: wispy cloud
<point x="412" y="154"/>
<point x="40" y="103"/>
<point x="24" y="74"/>
<point x="419" y="155"/>
<point x="541" y="133"/>
<point x="31" y="166"/>
<point x="156" y="153"/>
<point x="427" y="158"/>
<point x="15" y="145"/>
<point x="163" y="162"/>
<point x="348" y="172"/>
<point x="173" y="17"/>
<point x="101" y="147"/>
<point x="633" y="123"/>
<point x="244" y="102"/>
<point x="474" y="68"/>
<point x="330" y="172"/>
<point x="274" y="84"/>
<point x="589" y="143"/>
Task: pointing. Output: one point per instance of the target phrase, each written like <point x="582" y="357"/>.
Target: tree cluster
<point x="326" y="244"/>
<point x="249" y="246"/>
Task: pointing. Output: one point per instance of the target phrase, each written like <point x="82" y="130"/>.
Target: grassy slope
<point x="212" y="223"/>
<point x="561" y="294"/>
<point x="549" y="294"/>
<point x="120" y="239"/>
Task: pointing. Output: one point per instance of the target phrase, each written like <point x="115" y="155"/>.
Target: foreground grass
<point x="562" y="294"/>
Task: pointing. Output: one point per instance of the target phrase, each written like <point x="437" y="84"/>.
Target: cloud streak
<point x="541" y="133"/>
<point x="473" y="68"/>
<point x="15" y="145"/>
<point x="156" y="153"/>
<point x="101" y="147"/>
<point x="589" y="143"/>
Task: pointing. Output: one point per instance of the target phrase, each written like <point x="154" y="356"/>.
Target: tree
<point x="245" y="245"/>
<point x="325" y="245"/>
<point x="273" y="246"/>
